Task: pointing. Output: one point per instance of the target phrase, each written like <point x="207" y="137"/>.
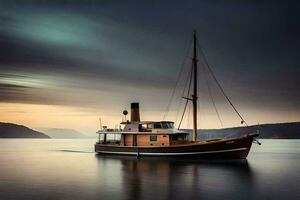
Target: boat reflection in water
<point x="171" y="178"/>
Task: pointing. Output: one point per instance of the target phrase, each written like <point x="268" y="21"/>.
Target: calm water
<point x="68" y="169"/>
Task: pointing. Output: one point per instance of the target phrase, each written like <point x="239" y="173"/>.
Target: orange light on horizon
<point x="86" y="120"/>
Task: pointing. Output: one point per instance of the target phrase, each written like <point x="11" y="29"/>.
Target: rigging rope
<point x="212" y="99"/>
<point x="187" y="100"/>
<point x="188" y="117"/>
<point x="178" y="110"/>
<point x="182" y="95"/>
<point x="177" y="81"/>
<point x="219" y="85"/>
<point x="205" y="63"/>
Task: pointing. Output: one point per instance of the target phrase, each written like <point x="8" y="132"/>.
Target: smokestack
<point x="135" y="112"/>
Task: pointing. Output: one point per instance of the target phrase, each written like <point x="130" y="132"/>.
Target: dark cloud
<point x="14" y="93"/>
<point x="136" y="48"/>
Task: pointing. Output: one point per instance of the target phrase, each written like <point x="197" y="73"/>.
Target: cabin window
<point x="144" y="126"/>
<point x="157" y="125"/>
<point x="109" y="138"/>
<point x="153" y="138"/>
<point x="174" y="137"/>
<point x="150" y="126"/>
<point x="167" y="125"/>
<point x="171" y="125"/>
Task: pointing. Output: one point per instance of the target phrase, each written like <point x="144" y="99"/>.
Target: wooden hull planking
<point x="238" y="147"/>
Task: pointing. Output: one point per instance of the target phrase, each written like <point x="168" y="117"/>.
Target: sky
<point x="64" y="64"/>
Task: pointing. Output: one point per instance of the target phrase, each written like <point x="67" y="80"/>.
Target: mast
<point x="194" y="95"/>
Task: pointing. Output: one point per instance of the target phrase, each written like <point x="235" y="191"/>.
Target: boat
<point x="161" y="139"/>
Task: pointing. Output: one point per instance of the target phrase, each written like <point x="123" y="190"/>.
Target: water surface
<point x="68" y="169"/>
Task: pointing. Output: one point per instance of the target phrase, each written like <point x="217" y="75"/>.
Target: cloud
<point x="98" y="53"/>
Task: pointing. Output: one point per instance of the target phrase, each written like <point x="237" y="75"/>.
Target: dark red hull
<point x="238" y="147"/>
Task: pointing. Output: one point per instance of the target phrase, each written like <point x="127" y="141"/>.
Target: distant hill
<point x="266" y="131"/>
<point x="61" y="133"/>
<point x="10" y="130"/>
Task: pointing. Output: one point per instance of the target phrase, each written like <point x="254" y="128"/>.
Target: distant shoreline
<point x="289" y="130"/>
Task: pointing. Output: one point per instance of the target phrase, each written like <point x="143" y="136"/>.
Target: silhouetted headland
<point x="10" y="130"/>
<point x="266" y="131"/>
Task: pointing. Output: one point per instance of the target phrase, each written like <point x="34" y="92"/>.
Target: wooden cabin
<point x="145" y="134"/>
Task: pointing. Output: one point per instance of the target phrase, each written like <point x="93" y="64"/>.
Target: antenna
<point x="100" y="123"/>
